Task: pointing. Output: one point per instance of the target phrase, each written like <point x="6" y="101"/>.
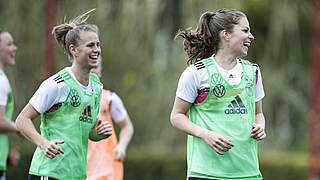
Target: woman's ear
<point x="73" y="50"/>
<point x="225" y="35"/>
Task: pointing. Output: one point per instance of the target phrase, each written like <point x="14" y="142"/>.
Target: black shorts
<point x="34" y="177"/>
<point x="2" y="175"/>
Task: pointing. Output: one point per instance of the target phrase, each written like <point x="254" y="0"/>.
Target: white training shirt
<point x="117" y="110"/>
<point x="193" y="80"/>
<point x="50" y="93"/>
<point x="4" y="88"/>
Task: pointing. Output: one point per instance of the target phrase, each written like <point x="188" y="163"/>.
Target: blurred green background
<point x="142" y="63"/>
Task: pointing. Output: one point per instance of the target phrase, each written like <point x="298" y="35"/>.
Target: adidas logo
<point x="236" y="107"/>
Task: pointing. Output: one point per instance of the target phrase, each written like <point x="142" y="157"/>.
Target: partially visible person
<point x="13" y="157"/>
<point x="105" y="158"/>
<point x="219" y="99"/>
<point x="7" y="58"/>
<point x="68" y="103"/>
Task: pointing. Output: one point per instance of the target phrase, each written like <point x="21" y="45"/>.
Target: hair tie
<point x="211" y="16"/>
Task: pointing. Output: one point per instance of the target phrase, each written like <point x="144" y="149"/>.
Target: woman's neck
<point x="1" y="66"/>
<point x="81" y="74"/>
<point x="225" y="60"/>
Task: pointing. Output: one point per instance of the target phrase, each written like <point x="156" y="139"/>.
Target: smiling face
<point x="240" y="38"/>
<point x="87" y="53"/>
<point x="98" y="70"/>
<point x="7" y="49"/>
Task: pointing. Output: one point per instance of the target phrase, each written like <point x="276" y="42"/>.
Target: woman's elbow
<point x="18" y="123"/>
<point x="173" y="119"/>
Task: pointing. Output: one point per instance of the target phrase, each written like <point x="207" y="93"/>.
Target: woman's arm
<point x="258" y="128"/>
<point x="25" y="125"/>
<point x="180" y="120"/>
<point x="5" y="124"/>
<point x="125" y="136"/>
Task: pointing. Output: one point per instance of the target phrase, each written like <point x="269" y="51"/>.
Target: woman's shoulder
<point x="3" y="79"/>
<point x="94" y="77"/>
<point x="195" y="73"/>
<point x="55" y="83"/>
<point x="202" y="64"/>
<point x="96" y="80"/>
<point x="114" y="97"/>
<point x="251" y="63"/>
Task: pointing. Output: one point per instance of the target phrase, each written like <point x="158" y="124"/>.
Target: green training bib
<point x="230" y="111"/>
<point x="4" y="138"/>
<point x="72" y="123"/>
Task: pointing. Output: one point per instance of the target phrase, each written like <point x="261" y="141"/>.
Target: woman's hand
<point x="13" y="157"/>
<point x="119" y="153"/>
<point x="104" y="129"/>
<point x="217" y="141"/>
<point x="51" y="149"/>
<point x="258" y="131"/>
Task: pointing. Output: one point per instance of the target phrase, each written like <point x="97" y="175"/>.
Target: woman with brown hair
<point x="219" y="99"/>
<point x="68" y="103"/>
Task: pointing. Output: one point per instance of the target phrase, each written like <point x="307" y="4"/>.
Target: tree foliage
<point x="142" y="62"/>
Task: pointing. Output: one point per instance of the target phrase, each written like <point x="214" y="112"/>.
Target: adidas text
<point x="236" y="111"/>
<point x="236" y="106"/>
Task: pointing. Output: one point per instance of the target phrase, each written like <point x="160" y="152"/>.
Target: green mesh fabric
<point x="4" y="139"/>
<point x="72" y="123"/>
<point x="230" y="111"/>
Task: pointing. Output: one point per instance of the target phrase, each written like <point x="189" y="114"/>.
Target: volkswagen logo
<point x="219" y="90"/>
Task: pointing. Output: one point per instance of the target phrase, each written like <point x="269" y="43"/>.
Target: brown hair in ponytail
<point x="203" y="42"/>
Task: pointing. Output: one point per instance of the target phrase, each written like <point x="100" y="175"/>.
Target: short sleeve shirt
<point x="117" y="110"/>
<point x="192" y="80"/>
<point x="51" y="93"/>
<point x="4" y="88"/>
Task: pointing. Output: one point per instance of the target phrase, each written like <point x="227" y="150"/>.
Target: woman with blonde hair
<point x="68" y="103"/>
